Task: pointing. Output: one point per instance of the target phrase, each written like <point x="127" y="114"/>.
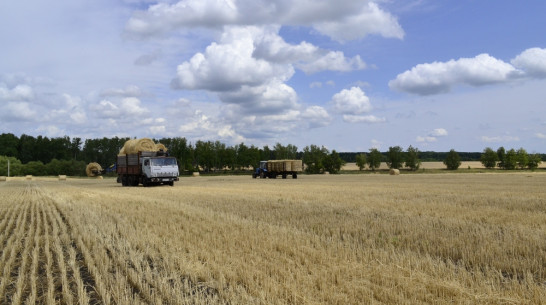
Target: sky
<point x="344" y="74"/>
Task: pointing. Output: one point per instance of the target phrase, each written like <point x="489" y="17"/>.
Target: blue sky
<point x="349" y="75"/>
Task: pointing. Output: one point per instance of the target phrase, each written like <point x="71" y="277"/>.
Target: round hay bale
<point x="62" y="177"/>
<point x="93" y="169"/>
<point x="195" y="174"/>
<point x="100" y="177"/>
<point x="28" y="177"/>
<point x="326" y="173"/>
<point x="3" y="178"/>
<point x="160" y="146"/>
<point x="394" y="172"/>
<point x="133" y="146"/>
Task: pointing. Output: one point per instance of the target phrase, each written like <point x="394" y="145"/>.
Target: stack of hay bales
<point x="133" y="146"/>
<point x="394" y="172"/>
<point x="92" y="169"/>
<point x="62" y="177"/>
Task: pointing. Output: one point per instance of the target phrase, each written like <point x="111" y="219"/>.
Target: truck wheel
<point x="171" y="183"/>
<point x="124" y="180"/>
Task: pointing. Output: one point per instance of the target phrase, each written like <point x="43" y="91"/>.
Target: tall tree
<point x="313" y="158"/>
<point x="395" y="157"/>
<point x="361" y="161"/>
<point x="522" y="158"/>
<point x="374" y="159"/>
<point x="333" y="162"/>
<point x="452" y="160"/>
<point x="511" y="159"/>
<point x="8" y="145"/>
<point x="412" y="158"/>
<point x="501" y="155"/>
<point x="489" y="158"/>
<point x="534" y="161"/>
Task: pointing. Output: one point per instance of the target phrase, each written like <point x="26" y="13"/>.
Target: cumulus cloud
<point x="432" y="136"/>
<point x="129" y="91"/>
<point x="532" y="62"/>
<point x="540" y="135"/>
<point x="316" y="116"/>
<point x="341" y="20"/>
<point x="352" y="101"/>
<point x="20" y="92"/>
<point x="440" y="77"/>
<point x="129" y="107"/>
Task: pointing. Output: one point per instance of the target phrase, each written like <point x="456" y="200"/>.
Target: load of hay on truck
<point x="274" y="168"/>
<point x="140" y="162"/>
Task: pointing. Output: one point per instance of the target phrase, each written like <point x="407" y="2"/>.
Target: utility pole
<point x="8" y="167"/>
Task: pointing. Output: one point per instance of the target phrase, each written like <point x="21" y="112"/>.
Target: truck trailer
<point x="273" y="168"/>
<point x="146" y="168"/>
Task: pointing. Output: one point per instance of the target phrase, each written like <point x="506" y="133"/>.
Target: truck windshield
<point x="163" y="161"/>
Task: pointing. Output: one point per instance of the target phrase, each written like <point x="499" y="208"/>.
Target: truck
<point x="146" y="168"/>
<point x="273" y="168"/>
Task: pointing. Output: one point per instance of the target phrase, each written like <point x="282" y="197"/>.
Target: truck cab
<point x="158" y="170"/>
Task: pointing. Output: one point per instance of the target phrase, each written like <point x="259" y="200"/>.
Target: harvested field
<point x="335" y="239"/>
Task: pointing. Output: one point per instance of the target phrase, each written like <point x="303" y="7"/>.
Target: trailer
<point x="273" y="168"/>
<point x="146" y="168"/>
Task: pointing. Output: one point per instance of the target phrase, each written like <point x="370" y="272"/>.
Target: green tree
<point x="489" y="158"/>
<point x="281" y="152"/>
<point x="452" y="160"/>
<point x="374" y="159"/>
<point x="534" y="161"/>
<point x="15" y="166"/>
<point x="35" y="168"/>
<point x="412" y="158"/>
<point x="501" y="154"/>
<point x="333" y="162"/>
<point x="395" y="157"/>
<point x="511" y="159"/>
<point x="361" y="161"/>
<point x="313" y="158"/>
<point x="522" y="158"/>
<point x="8" y="145"/>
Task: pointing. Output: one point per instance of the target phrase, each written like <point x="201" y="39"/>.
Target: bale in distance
<point x="3" y="178"/>
<point x="195" y="174"/>
<point x="62" y="177"/>
<point x="394" y="172"/>
<point x="100" y="177"/>
<point x="28" y="177"/>
<point x="92" y="169"/>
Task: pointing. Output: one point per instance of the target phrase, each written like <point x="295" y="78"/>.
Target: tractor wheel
<point x="262" y="176"/>
<point x="294" y="176"/>
<point x="284" y="176"/>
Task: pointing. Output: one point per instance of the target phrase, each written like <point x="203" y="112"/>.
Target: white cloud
<point x="440" y="77"/>
<point x="532" y="61"/>
<point x="427" y="139"/>
<point x="341" y="20"/>
<point x="18" y="111"/>
<point x="20" y="92"/>
<point x="540" y="135"/>
<point x="352" y="101"/>
<point x="439" y="132"/>
<point x="496" y="139"/>
<point x="316" y="116"/>
<point x="363" y="119"/>
<point x="129" y="91"/>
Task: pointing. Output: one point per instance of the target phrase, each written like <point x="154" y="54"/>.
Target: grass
<point x="335" y="239"/>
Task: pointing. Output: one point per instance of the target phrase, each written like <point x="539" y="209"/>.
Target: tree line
<point x="28" y="155"/>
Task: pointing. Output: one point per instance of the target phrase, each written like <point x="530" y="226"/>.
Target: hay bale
<point x="28" y="177"/>
<point x="3" y="178"/>
<point x="93" y="169"/>
<point x="100" y="177"/>
<point x="62" y="177"/>
<point x="195" y="174"/>
<point x="133" y="146"/>
<point x="394" y="172"/>
<point x="326" y="173"/>
<point x="159" y="146"/>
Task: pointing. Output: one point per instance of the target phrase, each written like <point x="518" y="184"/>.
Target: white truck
<point x="146" y="168"/>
